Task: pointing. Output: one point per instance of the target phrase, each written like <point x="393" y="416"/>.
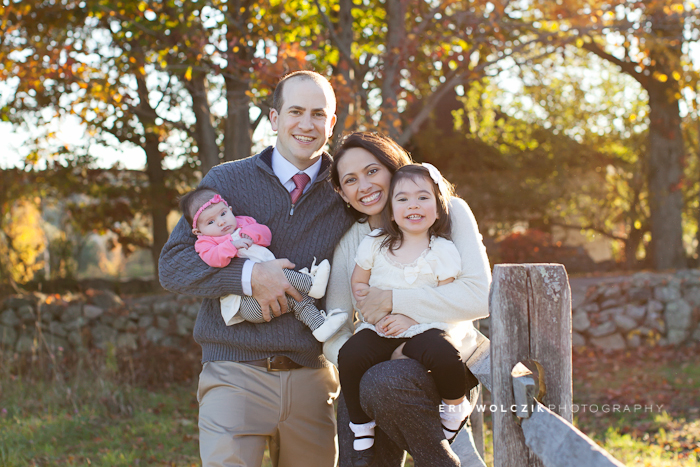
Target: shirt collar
<point x="285" y="170"/>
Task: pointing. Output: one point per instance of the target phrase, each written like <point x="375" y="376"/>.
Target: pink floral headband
<point x="216" y="199"/>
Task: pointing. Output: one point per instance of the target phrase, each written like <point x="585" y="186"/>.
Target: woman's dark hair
<point x="386" y="150"/>
<point x="442" y="225"/>
<point x="192" y="201"/>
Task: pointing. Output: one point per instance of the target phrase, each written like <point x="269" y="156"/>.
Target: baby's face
<point x="215" y="221"/>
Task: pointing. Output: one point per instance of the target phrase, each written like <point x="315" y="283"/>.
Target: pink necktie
<point x="300" y="181"/>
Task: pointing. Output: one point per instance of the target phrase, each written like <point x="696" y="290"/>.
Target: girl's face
<point x="364" y="182"/>
<point x="413" y="205"/>
<point x="215" y="221"/>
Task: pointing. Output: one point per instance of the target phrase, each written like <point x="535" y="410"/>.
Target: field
<point x="110" y="409"/>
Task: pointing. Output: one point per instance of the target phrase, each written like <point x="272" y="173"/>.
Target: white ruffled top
<point x="440" y="261"/>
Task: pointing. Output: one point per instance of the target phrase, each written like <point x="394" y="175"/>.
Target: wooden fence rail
<point x="528" y="363"/>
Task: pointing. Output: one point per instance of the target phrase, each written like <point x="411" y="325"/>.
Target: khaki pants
<point x="243" y="407"/>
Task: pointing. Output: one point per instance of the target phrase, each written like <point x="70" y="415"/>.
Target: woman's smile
<point x="371" y="199"/>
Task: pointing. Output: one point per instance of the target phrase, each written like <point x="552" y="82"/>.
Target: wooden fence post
<point x="477" y="418"/>
<point x="530" y="307"/>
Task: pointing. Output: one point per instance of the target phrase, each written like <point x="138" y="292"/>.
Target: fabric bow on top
<point x="437" y="178"/>
<point x="411" y="273"/>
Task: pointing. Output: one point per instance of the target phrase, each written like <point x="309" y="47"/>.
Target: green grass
<point x="111" y="409"/>
<point x="90" y="414"/>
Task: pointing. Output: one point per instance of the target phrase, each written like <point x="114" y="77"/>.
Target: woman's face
<point x="364" y="182"/>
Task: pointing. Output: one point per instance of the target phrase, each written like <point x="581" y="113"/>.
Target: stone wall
<point x="643" y="309"/>
<point x="94" y="319"/>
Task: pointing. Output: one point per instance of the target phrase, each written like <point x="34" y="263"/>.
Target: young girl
<point x="222" y="236"/>
<point x="412" y="250"/>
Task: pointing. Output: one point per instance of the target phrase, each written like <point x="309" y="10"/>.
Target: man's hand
<point x="270" y="286"/>
<point x="376" y="305"/>
<point x="393" y="325"/>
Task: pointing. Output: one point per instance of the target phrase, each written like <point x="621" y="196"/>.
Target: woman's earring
<point x="348" y="205"/>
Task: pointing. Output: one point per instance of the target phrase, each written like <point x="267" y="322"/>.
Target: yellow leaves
<point x="28" y="241"/>
<point x="676" y="76"/>
<point x="660" y="77"/>
<point x="188" y="74"/>
<point x="142" y="6"/>
<point x="163" y="64"/>
<point x="677" y="8"/>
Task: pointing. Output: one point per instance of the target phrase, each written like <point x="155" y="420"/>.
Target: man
<point x="268" y="383"/>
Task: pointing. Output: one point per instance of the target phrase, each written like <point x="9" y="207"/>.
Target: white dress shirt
<point x="284" y="170"/>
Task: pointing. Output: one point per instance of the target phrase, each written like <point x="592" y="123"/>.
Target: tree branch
<point x="627" y="67"/>
<point x="347" y="54"/>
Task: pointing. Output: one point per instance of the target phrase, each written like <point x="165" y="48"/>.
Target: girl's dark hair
<point x="386" y="150"/>
<point x="190" y="202"/>
<point x="442" y="225"/>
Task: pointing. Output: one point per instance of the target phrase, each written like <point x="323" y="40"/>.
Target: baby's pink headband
<point x="215" y="200"/>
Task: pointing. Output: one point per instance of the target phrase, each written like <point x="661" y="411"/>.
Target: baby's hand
<point x="393" y="325"/>
<point x="242" y="243"/>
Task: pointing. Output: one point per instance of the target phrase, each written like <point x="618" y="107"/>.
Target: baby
<point x="222" y="236"/>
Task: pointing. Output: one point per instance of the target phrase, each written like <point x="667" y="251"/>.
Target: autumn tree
<point x="650" y="41"/>
<point x="397" y="59"/>
<point x="141" y="73"/>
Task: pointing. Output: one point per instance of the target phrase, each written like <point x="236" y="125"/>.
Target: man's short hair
<point x="278" y="101"/>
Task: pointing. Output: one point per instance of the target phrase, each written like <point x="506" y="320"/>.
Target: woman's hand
<point x="376" y="305"/>
<point x="393" y="325"/>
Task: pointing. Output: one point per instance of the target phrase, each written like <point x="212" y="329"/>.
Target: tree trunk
<point x="204" y="129"/>
<point x="396" y="38"/>
<point x="665" y="172"/>
<point x="158" y="200"/>
<point x="344" y="82"/>
<point x="237" y="135"/>
<point x="159" y="206"/>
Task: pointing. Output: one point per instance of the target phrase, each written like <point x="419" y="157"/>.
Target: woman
<point x="362" y="169"/>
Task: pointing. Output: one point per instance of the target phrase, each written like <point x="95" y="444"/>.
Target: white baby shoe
<point x="319" y="278"/>
<point x="334" y="321"/>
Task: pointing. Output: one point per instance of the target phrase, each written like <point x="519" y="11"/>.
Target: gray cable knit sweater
<point x="311" y="228"/>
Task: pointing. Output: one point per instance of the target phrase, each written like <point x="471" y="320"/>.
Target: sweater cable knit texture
<point x="252" y="189"/>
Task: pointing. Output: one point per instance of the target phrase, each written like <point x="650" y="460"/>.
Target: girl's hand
<point x="393" y="325"/>
<point x="243" y="243"/>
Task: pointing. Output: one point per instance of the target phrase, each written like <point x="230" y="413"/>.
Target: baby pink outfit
<point x="218" y="251"/>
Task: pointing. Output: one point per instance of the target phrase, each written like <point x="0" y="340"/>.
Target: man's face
<point x="304" y="123"/>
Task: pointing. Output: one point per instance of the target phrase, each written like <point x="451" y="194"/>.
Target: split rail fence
<point x="527" y="368"/>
